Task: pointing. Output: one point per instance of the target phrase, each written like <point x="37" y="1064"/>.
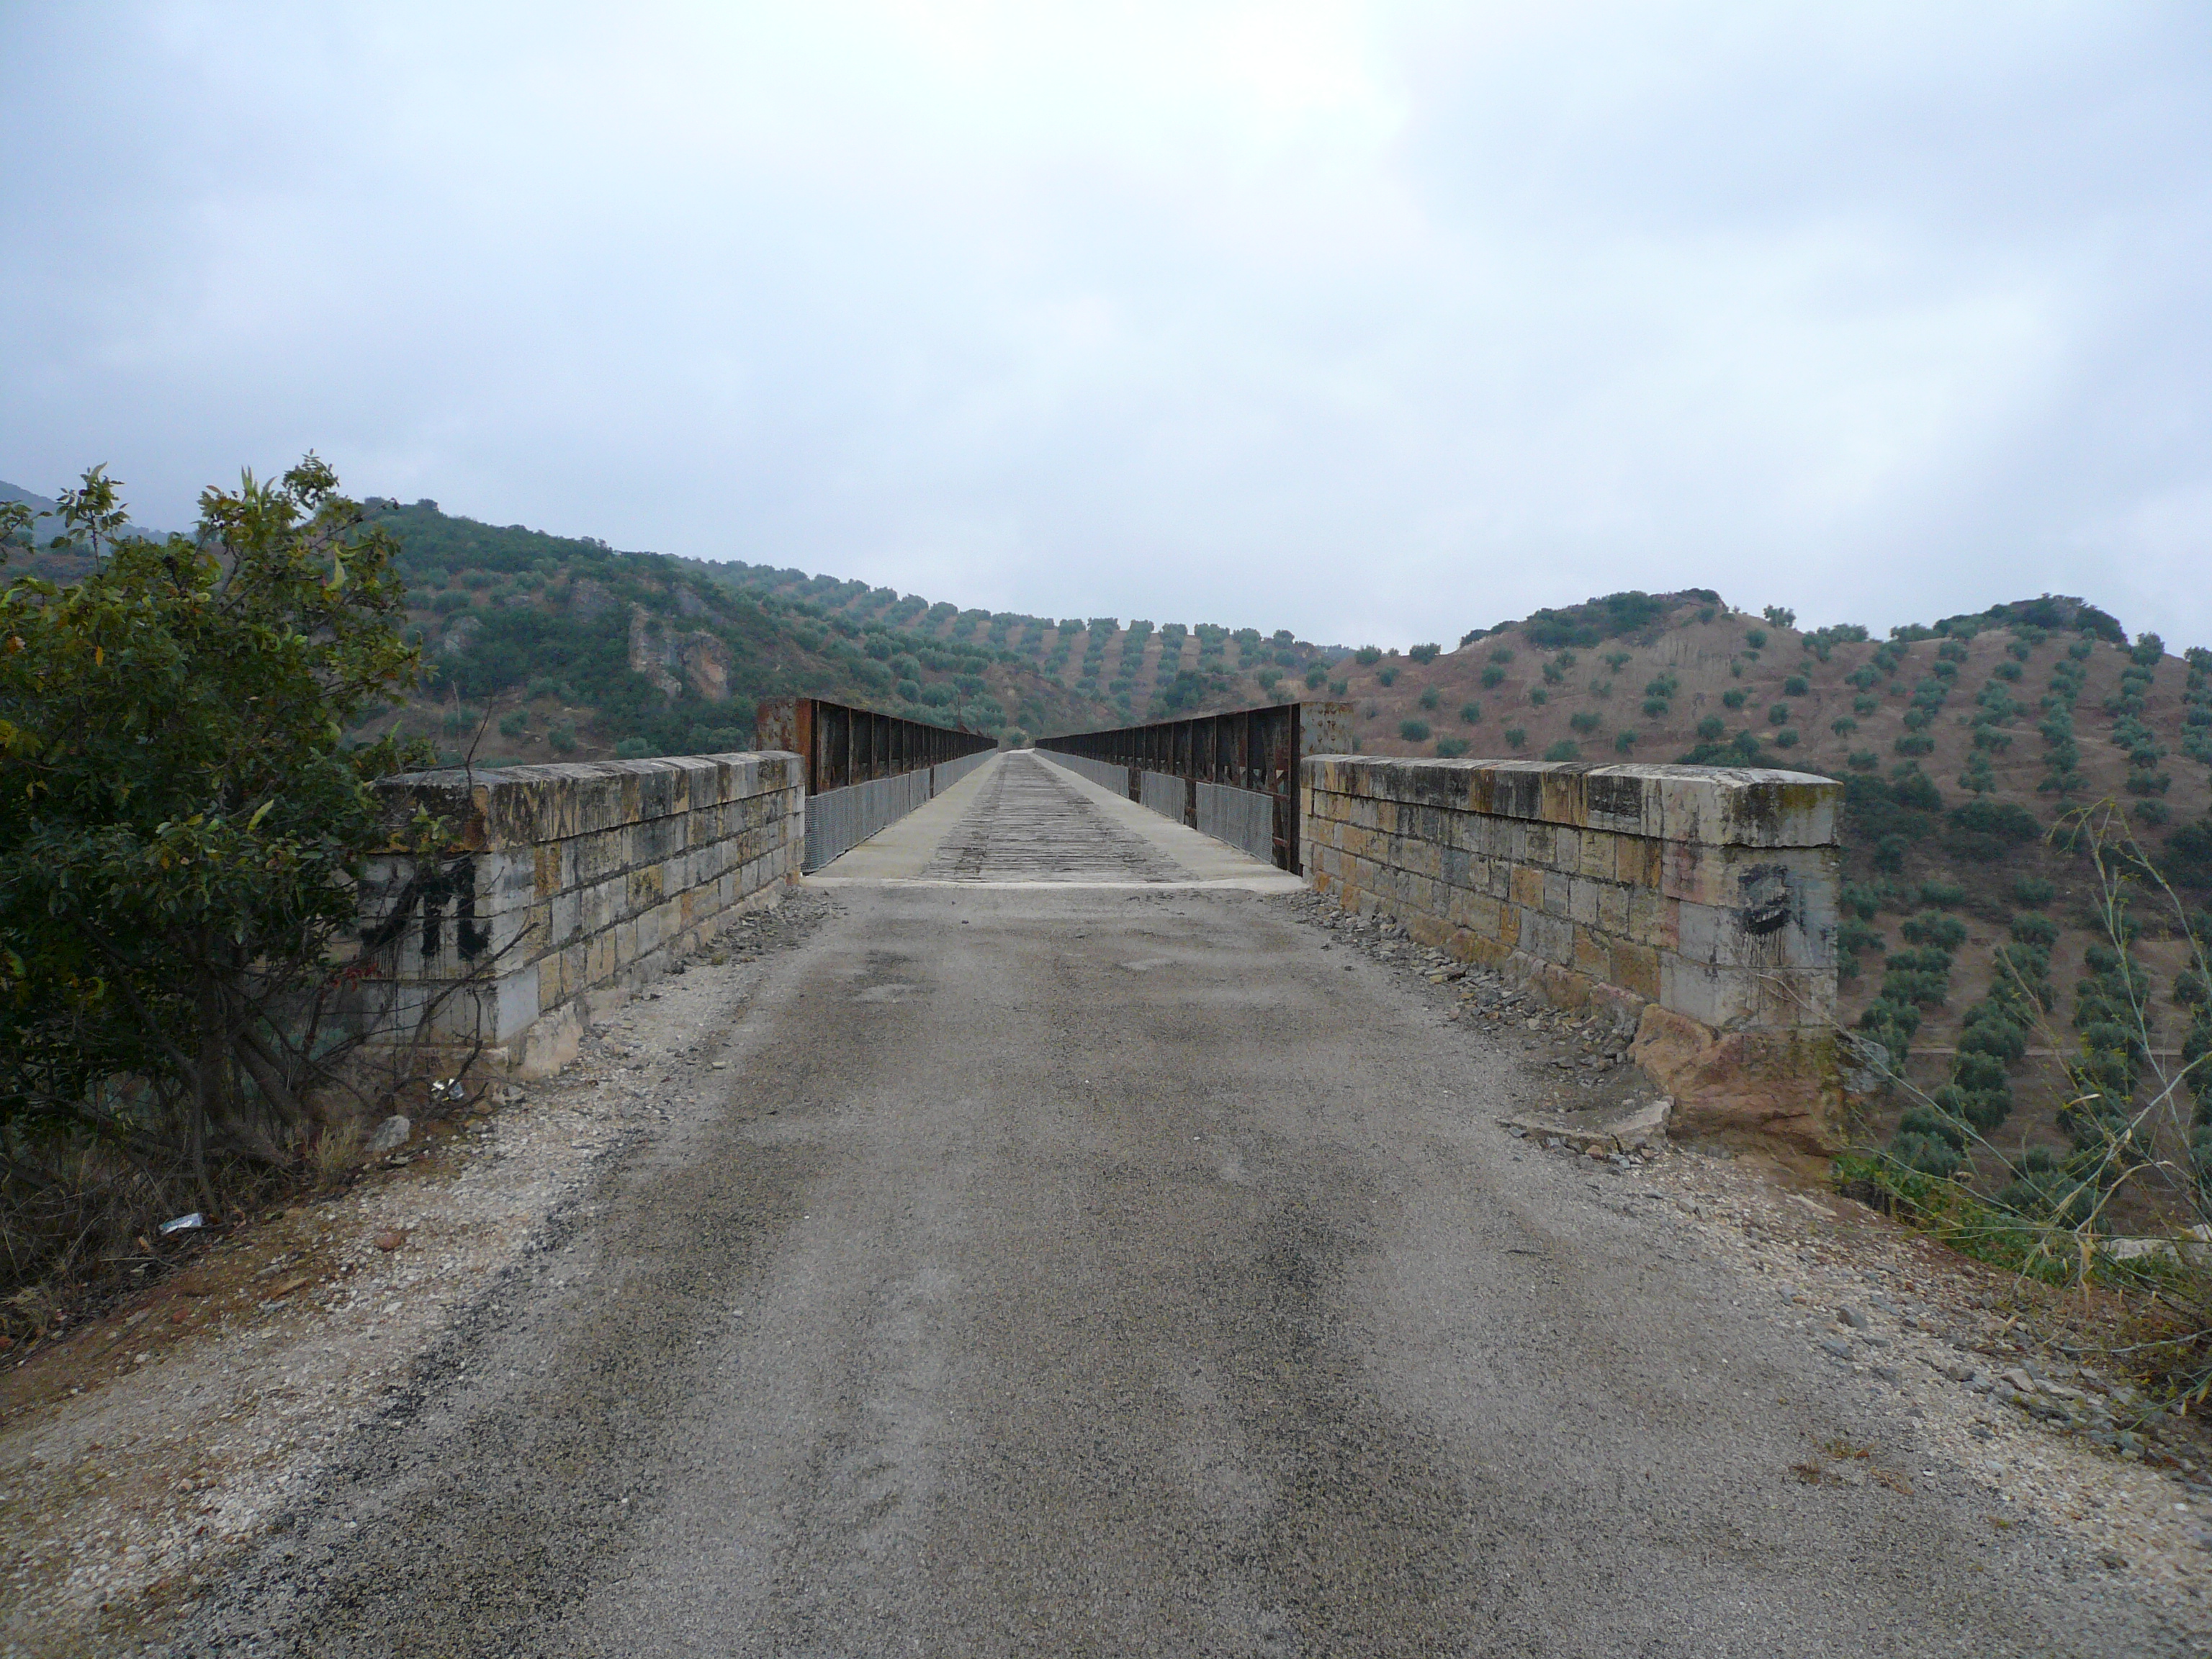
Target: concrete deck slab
<point x="1017" y="820"/>
<point x="903" y="849"/>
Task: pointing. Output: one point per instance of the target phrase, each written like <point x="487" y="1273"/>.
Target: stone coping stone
<point x="1712" y="805"/>
<point x="524" y="805"/>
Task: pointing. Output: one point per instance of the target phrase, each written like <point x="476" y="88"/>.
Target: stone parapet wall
<point x="564" y="887"/>
<point x="1701" y="899"/>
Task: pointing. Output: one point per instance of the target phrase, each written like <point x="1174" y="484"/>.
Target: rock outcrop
<point x="672" y="660"/>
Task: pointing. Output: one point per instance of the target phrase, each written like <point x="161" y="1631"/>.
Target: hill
<point x="1139" y="671"/>
<point x="65" y="564"/>
<point x="547" y="647"/>
<point x="1962" y="746"/>
<point x="550" y="646"/>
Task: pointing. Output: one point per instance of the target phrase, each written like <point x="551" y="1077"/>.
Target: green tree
<point x="182" y="820"/>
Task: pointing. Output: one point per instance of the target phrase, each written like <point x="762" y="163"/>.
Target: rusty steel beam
<point x="843" y="745"/>
<point x="1254" y="749"/>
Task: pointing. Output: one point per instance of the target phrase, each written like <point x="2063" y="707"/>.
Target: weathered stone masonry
<point x="566" y="886"/>
<point x="1703" y="898"/>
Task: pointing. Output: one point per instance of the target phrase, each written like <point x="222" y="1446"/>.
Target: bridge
<point x="1098" y="1242"/>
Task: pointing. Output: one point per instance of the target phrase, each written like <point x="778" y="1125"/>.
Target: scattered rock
<point x="390" y="1135"/>
<point x="389" y="1239"/>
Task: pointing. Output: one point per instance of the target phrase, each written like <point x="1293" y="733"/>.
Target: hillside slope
<point x="1962" y="746"/>
<point x="1140" y="670"/>
<point x="547" y="647"/>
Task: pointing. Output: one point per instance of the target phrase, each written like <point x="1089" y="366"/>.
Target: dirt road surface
<point x="1110" y="1267"/>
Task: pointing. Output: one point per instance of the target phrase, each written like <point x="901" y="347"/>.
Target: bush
<point x="1943" y="895"/>
<point x="633" y="749"/>
<point x="2038" y="931"/>
<point x="1755" y="638"/>
<point x="1368" y="655"/>
<point x="1414" y="731"/>
<point x="1584" y="721"/>
<point x="1711" y="729"/>
<point x="1862" y="760"/>
<point x="1985" y="830"/>
<point x="1925" y="1154"/>
<point x="1778" y="714"/>
<point x="1654" y="706"/>
<point x="1538" y="696"/>
<point x="562" y="740"/>
<point x="1853" y="934"/>
<point x="1430" y="698"/>
<point x="1623" y="742"/>
<point x="1566" y="748"/>
<point x="1450" y="748"/>
<point x="1935" y="1125"/>
<point x="909" y="689"/>
<point x="1935" y="929"/>
<point x="1786" y="738"/>
<point x="1423" y="653"/>
<point x="1387" y="675"/>
<point x="2035" y="891"/>
<point x="1316" y="676"/>
<point x="164" y="949"/>
<point x="1492" y="675"/>
<point x="1516" y="736"/>
<point x="1471" y="712"/>
<point x="1736" y="696"/>
<point x="1795" y="686"/>
<point x="1865" y="705"/>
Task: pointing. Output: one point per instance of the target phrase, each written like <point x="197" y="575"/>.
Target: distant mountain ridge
<point x="48" y="524"/>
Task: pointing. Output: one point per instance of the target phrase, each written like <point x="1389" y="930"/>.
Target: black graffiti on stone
<point x="1768" y="900"/>
<point x="430" y="891"/>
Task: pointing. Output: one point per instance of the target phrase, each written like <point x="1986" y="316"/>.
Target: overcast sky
<point x="1378" y="322"/>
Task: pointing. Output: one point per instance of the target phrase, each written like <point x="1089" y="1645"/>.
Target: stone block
<point x="1633" y="967"/>
<point x="1547" y="938"/>
<point x="1590" y="954"/>
<point x="1556" y="886"/>
<point x="1612" y="908"/>
<point x="1583" y="896"/>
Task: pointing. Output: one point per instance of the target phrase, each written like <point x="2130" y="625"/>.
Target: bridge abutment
<point x="1701" y="898"/>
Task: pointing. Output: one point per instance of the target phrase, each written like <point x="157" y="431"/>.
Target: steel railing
<point x="1233" y="775"/>
<point x="864" y="770"/>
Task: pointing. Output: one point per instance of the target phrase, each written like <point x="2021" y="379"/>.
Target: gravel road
<point x="1116" y="1270"/>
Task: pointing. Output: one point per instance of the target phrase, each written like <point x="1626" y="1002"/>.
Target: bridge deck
<point x="1079" y="1259"/>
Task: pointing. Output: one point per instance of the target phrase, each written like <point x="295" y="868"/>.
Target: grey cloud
<point x="1880" y="313"/>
